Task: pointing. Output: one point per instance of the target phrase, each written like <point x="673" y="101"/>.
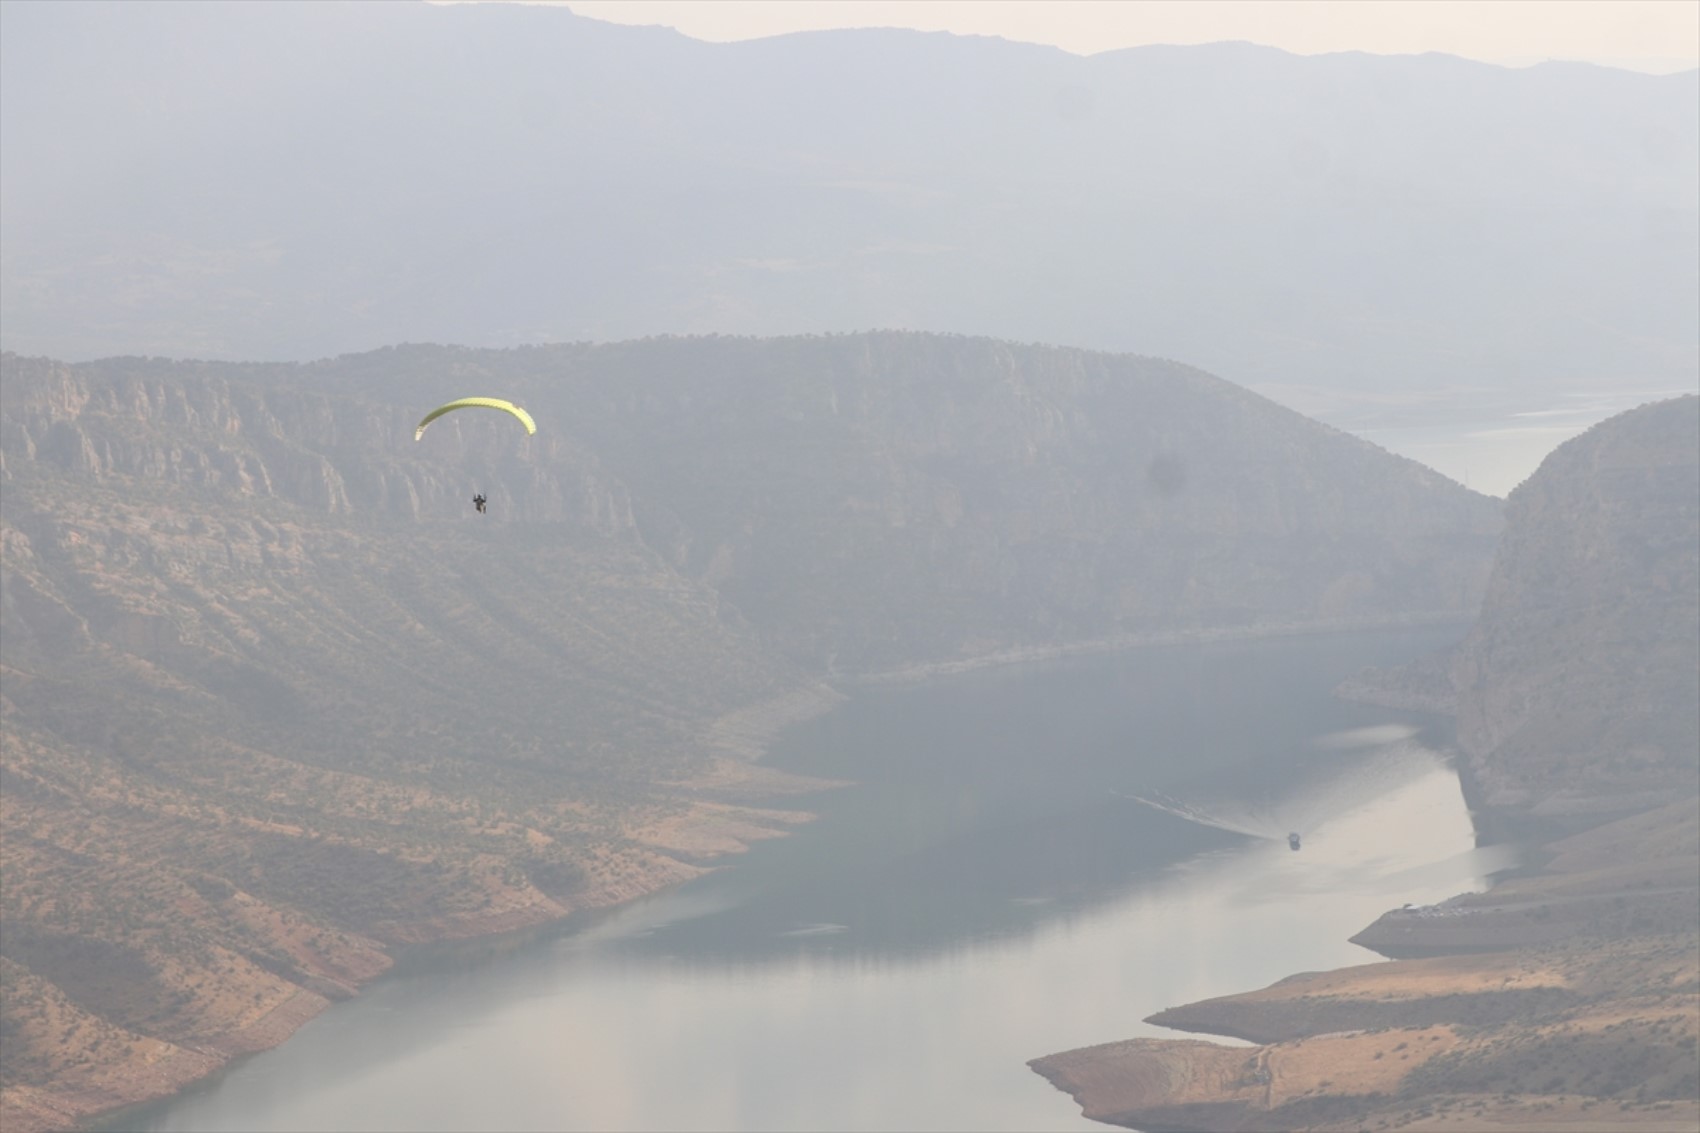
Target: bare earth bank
<point x="1575" y="1005"/>
<point x="94" y="1067"/>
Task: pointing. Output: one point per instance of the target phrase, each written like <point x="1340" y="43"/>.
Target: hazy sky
<point x="1644" y="35"/>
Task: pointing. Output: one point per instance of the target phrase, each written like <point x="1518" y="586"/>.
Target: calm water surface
<point x="991" y="890"/>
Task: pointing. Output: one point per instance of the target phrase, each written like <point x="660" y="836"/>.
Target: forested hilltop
<point x="277" y="699"/>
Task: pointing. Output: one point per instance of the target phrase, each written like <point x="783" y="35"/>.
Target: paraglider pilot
<point x="478" y="502"/>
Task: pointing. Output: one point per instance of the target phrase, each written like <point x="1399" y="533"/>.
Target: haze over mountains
<point x="276" y="701"/>
<point x="276" y="181"/>
<point x="276" y="698"/>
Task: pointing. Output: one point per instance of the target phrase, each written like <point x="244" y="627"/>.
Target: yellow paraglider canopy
<point x="478" y="403"/>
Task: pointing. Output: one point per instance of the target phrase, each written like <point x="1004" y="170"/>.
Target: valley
<point x="277" y="701"/>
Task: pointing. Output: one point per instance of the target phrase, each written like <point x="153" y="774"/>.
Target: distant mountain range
<point x="1358" y="235"/>
<point x="276" y="698"/>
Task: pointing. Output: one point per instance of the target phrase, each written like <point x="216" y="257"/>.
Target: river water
<point x="1032" y="859"/>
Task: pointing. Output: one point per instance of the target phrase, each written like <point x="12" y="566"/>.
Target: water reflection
<point x="976" y="901"/>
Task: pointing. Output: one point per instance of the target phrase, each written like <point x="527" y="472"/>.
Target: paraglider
<point x="478" y="500"/>
<point x="519" y="414"/>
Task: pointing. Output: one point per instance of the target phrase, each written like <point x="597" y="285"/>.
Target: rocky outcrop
<point x="1579" y="687"/>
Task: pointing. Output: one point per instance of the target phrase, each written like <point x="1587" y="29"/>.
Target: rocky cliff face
<point x="191" y="427"/>
<point x="875" y="500"/>
<point x="275" y="699"/>
<point x="1579" y="688"/>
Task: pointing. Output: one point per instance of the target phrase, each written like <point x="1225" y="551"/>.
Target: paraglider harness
<point x="478" y="502"/>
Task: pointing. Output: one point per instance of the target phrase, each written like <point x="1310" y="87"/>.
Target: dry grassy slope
<point x="268" y="709"/>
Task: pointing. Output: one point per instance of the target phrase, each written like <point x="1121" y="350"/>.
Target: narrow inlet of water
<point x="991" y="889"/>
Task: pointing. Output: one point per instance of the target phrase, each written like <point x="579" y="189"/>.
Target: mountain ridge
<point x="277" y="701"/>
<point x="836" y="180"/>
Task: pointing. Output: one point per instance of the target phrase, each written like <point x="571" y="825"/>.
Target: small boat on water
<point x="1292" y="841"/>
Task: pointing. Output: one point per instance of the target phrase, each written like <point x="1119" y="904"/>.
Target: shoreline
<point x="1202" y="635"/>
<point x="741" y="738"/>
<point x="735" y="779"/>
<point x="1491" y="1003"/>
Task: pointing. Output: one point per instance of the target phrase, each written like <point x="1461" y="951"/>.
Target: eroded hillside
<point x="277" y="700"/>
<point x="261" y="723"/>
